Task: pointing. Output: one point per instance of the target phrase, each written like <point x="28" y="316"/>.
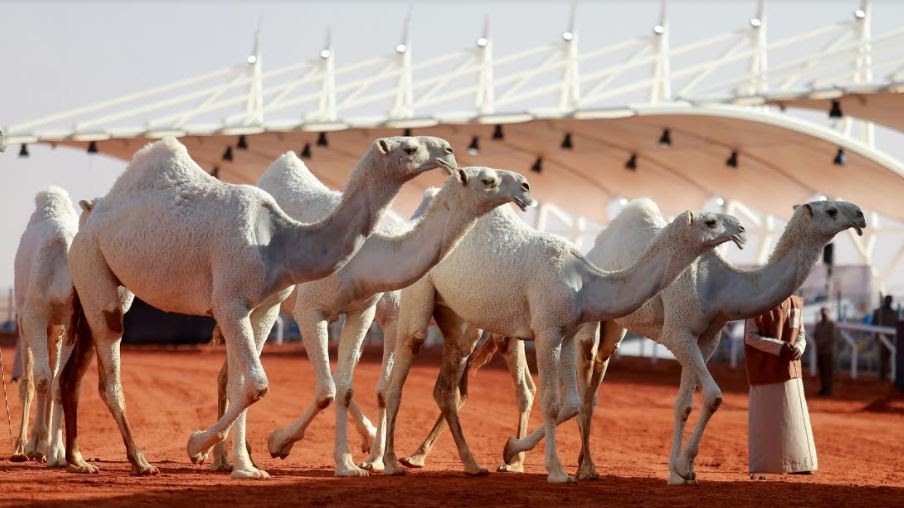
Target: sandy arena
<point x="859" y="436"/>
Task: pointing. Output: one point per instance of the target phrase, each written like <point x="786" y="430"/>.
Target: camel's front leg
<point x="26" y="395"/>
<point x="515" y="358"/>
<point x="356" y="326"/>
<point x="57" y="453"/>
<point x="390" y="328"/>
<point x="679" y="473"/>
<point x="314" y="332"/>
<point x="247" y="384"/>
<point x="406" y="348"/>
<point x="712" y="399"/>
<point x="567" y="399"/>
<point x="549" y="352"/>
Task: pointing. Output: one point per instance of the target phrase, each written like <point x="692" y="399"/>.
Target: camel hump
<point x="162" y="164"/>
<point x="54" y="204"/>
<point x="627" y="235"/>
<point x="290" y="171"/>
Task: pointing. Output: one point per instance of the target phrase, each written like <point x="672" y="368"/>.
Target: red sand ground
<point x="859" y="436"/>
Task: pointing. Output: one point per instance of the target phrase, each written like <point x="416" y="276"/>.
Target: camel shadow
<point x="437" y="488"/>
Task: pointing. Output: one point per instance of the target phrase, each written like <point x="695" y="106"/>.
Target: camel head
<point x="705" y="230"/>
<point x="483" y="188"/>
<point x="405" y="157"/>
<point x="828" y="218"/>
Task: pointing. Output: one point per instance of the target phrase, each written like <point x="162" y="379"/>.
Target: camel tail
<point x="484" y="352"/>
<point x="216" y="336"/>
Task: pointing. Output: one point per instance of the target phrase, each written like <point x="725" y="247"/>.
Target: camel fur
<point x="186" y="242"/>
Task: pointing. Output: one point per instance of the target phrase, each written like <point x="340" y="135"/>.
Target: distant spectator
<point x="780" y="439"/>
<point x="826" y="337"/>
<point x="885" y="315"/>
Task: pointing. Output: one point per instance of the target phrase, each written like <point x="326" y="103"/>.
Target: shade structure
<point x="882" y="104"/>
<point x="782" y="161"/>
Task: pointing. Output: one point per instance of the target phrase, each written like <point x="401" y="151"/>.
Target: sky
<point x="62" y="55"/>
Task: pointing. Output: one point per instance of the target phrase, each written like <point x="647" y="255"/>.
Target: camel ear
<point x="690" y="217"/>
<point x="86" y="205"/>
<point x="462" y="176"/>
<point x="807" y="206"/>
<point x="383" y="146"/>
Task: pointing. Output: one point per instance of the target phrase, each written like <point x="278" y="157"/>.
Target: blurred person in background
<point x="885" y="316"/>
<point x="825" y="335"/>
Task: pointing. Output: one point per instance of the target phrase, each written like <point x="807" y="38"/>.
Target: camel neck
<point x="608" y="295"/>
<point x="388" y="262"/>
<point x="316" y="250"/>
<point x="745" y="294"/>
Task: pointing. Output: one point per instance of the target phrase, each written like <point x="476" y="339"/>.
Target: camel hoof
<point x="195" y="448"/>
<point x="57" y="461"/>
<point x="509" y="452"/>
<point x="477" y="473"/>
<point x="414" y="461"/>
<point x="279" y="448"/>
<point x="18" y="457"/>
<point x="221" y="465"/>
<point x="36" y="456"/>
<point x="394" y="470"/>
<point x="373" y="465"/>
<point x="251" y="473"/>
<point x="351" y="471"/>
<point x="590" y="474"/>
<point x="560" y="478"/>
<point x="144" y="470"/>
<point x="510" y="468"/>
<point x="82" y="469"/>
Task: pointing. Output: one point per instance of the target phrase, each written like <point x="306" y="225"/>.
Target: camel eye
<point x="411" y="150"/>
<point x="832" y="212"/>
<point x="489" y="182"/>
<point x="710" y="222"/>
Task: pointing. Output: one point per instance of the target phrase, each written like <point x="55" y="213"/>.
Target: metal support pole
<point x="662" y="89"/>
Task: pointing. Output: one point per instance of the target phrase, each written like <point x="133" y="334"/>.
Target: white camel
<point x="184" y="241"/>
<point x="562" y="290"/>
<point x="687" y="316"/>
<point x="388" y="260"/>
<point x="43" y="290"/>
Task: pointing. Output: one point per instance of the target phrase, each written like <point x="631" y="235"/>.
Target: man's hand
<point x="788" y="352"/>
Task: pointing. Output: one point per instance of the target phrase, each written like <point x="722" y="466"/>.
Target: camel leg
<point x="712" y="399"/>
<point x="415" y="310"/>
<point x="457" y="348"/>
<point x="550" y="350"/>
<point x="220" y="460"/>
<point x="567" y="399"/>
<point x="56" y="456"/>
<point x="365" y="428"/>
<point x="70" y="390"/>
<point x="39" y="332"/>
<point x="247" y="384"/>
<point x="315" y="336"/>
<point x="516" y="359"/>
<point x="390" y="328"/>
<point x="356" y="326"/>
<point x="593" y="372"/>
<point x="26" y="395"/>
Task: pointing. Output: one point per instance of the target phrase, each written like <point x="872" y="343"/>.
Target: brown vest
<point x="765" y="368"/>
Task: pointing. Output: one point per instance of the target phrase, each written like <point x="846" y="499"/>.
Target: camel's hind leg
<point x="39" y="332"/>
<point x="458" y="345"/>
<point x="26" y="395"/>
<point x="315" y="336"/>
<point x="57" y="452"/>
<point x="356" y="326"/>
<point x="513" y="353"/>
<point x="390" y="329"/>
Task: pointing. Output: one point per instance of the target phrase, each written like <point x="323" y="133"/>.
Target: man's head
<point x="886" y="302"/>
<point x="824" y="314"/>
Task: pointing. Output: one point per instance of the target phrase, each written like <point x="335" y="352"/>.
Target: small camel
<point x="43" y="290"/>
<point x="186" y="242"/>
<point x="388" y="261"/>
<point x="562" y="291"/>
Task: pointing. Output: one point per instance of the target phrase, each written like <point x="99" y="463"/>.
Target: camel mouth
<point x="858" y="229"/>
<point x="523" y="203"/>
<point x="450" y="167"/>
<point x="739" y="241"/>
